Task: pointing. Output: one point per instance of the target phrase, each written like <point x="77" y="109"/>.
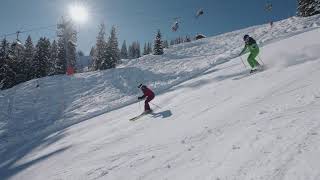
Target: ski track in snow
<point x="212" y="124"/>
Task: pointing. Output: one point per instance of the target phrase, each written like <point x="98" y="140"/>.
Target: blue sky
<point x="140" y="19"/>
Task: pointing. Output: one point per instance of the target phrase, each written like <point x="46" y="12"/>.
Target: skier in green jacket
<point x="252" y="47"/>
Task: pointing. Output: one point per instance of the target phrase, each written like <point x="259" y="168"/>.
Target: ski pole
<point x="243" y="62"/>
<point x="260" y="60"/>
<point x="155" y="105"/>
<point x="139" y="106"/>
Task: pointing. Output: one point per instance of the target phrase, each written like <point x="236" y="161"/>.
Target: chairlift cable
<point x="29" y="30"/>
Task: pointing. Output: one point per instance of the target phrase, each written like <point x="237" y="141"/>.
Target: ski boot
<point x="147" y="111"/>
<point x="253" y="71"/>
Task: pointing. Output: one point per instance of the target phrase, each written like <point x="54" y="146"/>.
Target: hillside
<point x="214" y="121"/>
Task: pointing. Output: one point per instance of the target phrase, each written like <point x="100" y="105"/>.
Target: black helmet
<point x="245" y="37"/>
<point x="141" y="86"/>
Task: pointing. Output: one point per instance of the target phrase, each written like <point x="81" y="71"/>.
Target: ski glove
<point x="244" y="50"/>
<point x="139" y="98"/>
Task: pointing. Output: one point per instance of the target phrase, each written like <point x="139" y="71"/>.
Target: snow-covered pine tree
<point x="303" y="7"/>
<point x="4" y="49"/>
<point x="179" y="40"/>
<point x="145" y="50"/>
<point x="113" y="49"/>
<point x="158" y="48"/>
<point x="52" y="65"/>
<point x="61" y="62"/>
<point x="29" y="53"/>
<point x="107" y="61"/>
<point x="317" y="6"/>
<point x="165" y="44"/>
<point x="149" y="48"/>
<point x="124" y="51"/>
<point x="92" y="51"/>
<point x="80" y="53"/>
<point x="72" y="52"/>
<point x="80" y="65"/>
<point x="134" y="50"/>
<point x="308" y="7"/>
<point x="130" y="52"/>
<point x="137" y="51"/>
<point x="7" y="75"/>
<point x="66" y="46"/>
<point x="187" y="39"/>
<point x="17" y="61"/>
<point x="171" y="42"/>
<point x="91" y="54"/>
<point x="42" y="58"/>
<point x="100" y="49"/>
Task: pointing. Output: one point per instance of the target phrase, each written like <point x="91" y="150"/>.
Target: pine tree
<point x="145" y="49"/>
<point x="106" y="62"/>
<point x="4" y="49"/>
<point x="137" y="51"/>
<point x="308" y="7"/>
<point x="7" y="75"/>
<point x="149" y="48"/>
<point x="134" y="50"/>
<point x="187" y="39"/>
<point x="61" y="62"/>
<point x="91" y="54"/>
<point x="124" y="51"/>
<point x="29" y="53"/>
<point x="131" y="52"/>
<point x="53" y="59"/>
<point x="100" y="49"/>
<point x="176" y="41"/>
<point x="165" y="44"/>
<point x="113" y="49"/>
<point x="80" y="66"/>
<point x="80" y="53"/>
<point x="317" y="6"/>
<point x="158" y="48"/>
<point x="42" y="58"/>
<point x="72" y="55"/>
<point x="179" y="40"/>
<point x="66" y="46"/>
<point x="17" y="63"/>
<point x="92" y="51"/>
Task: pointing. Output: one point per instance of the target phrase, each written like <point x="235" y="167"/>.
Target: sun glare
<point x="78" y="13"/>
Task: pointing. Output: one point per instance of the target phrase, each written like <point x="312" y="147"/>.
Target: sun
<point x="78" y="13"/>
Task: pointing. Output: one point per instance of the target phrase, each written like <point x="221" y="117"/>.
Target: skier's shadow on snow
<point x="234" y="76"/>
<point x="163" y="114"/>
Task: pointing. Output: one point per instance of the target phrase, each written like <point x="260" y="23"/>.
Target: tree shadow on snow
<point x="11" y="158"/>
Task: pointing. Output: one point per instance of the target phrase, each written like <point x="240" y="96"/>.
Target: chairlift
<point x="17" y="43"/>
<point x="268" y="7"/>
<point x="199" y="13"/>
<point x="175" y="26"/>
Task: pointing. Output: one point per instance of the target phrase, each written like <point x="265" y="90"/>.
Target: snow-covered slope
<point x="214" y="122"/>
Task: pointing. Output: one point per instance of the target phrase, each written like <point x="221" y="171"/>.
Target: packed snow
<point x="211" y="119"/>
